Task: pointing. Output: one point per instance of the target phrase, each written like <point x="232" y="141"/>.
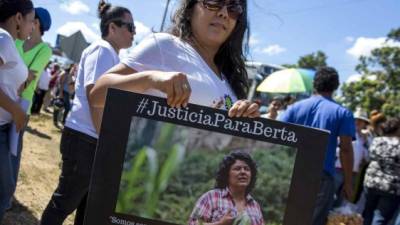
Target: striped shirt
<point x="214" y="204"/>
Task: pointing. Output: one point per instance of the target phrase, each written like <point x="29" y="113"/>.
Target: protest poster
<point x="157" y="165"/>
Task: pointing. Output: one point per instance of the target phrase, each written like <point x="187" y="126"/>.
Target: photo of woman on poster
<point x="230" y="201"/>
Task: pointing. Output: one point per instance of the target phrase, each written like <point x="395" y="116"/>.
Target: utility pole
<point x="165" y="15"/>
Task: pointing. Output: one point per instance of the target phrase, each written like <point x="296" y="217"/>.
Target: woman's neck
<point x="238" y="194"/>
<point x="34" y="40"/>
<point x="208" y="54"/>
<point x="9" y="28"/>
<point x="113" y="44"/>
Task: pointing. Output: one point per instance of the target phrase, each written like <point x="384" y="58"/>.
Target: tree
<point x="380" y="82"/>
<point x="310" y="61"/>
<point x="289" y="66"/>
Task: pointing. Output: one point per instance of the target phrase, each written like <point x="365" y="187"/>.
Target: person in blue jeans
<point x="16" y="21"/>
<point x="321" y="111"/>
<point x="382" y="179"/>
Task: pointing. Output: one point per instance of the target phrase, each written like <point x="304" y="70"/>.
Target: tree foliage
<point x="380" y="81"/>
<point x="310" y="61"/>
<point x="313" y="61"/>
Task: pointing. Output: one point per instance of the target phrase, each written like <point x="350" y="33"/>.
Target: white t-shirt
<point x="96" y="59"/>
<point x="44" y="80"/>
<point x="165" y="52"/>
<point x="13" y="72"/>
<point x="360" y="153"/>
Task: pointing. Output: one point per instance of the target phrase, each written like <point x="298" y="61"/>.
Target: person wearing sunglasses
<point x="79" y="136"/>
<point x="129" y="25"/>
<point x="200" y="60"/>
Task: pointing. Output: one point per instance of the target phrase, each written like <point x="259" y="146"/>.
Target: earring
<point x="17" y="29"/>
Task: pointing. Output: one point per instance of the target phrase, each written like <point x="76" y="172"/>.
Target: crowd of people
<point x="201" y="61"/>
<point x="362" y="162"/>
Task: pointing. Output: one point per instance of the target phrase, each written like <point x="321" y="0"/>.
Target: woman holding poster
<point x="200" y="61"/>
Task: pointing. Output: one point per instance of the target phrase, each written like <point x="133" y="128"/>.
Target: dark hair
<point x="277" y="99"/>
<point x="108" y="14"/>
<point x="9" y="8"/>
<point x="230" y="58"/>
<point x="222" y="176"/>
<point x="55" y="68"/>
<point x="326" y="80"/>
<point x="376" y="118"/>
<point x="391" y="125"/>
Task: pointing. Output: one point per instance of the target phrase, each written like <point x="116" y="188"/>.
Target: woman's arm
<point x="95" y="112"/>
<point x="174" y="84"/>
<point x="18" y="115"/>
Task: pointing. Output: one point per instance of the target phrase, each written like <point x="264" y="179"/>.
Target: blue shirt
<point x="324" y="113"/>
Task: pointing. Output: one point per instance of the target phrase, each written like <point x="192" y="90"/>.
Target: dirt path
<point x="40" y="168"/>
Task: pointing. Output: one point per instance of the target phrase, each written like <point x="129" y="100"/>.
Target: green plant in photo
<point x="143" y="183"/>
<point x="242" y="219"/>
<point x="159" y="180"/>
<point x="132" y="178"/>
<point x="165" y="137"/>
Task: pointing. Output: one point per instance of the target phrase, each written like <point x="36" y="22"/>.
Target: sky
<point x="281" y="30"/>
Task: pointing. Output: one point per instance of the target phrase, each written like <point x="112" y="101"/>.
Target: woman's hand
<point x="227" y="219"/>
<point x="175" y="85"/>
<point x="244" y="108"/>
<point x="19" y="117"/>
<point x="31" y="77"/>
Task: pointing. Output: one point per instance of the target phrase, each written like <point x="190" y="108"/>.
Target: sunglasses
<point x="130" y="26"/>
<point x="234" y="8"/>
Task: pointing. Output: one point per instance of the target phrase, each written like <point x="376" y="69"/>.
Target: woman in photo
<point x="230" y="201"/>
